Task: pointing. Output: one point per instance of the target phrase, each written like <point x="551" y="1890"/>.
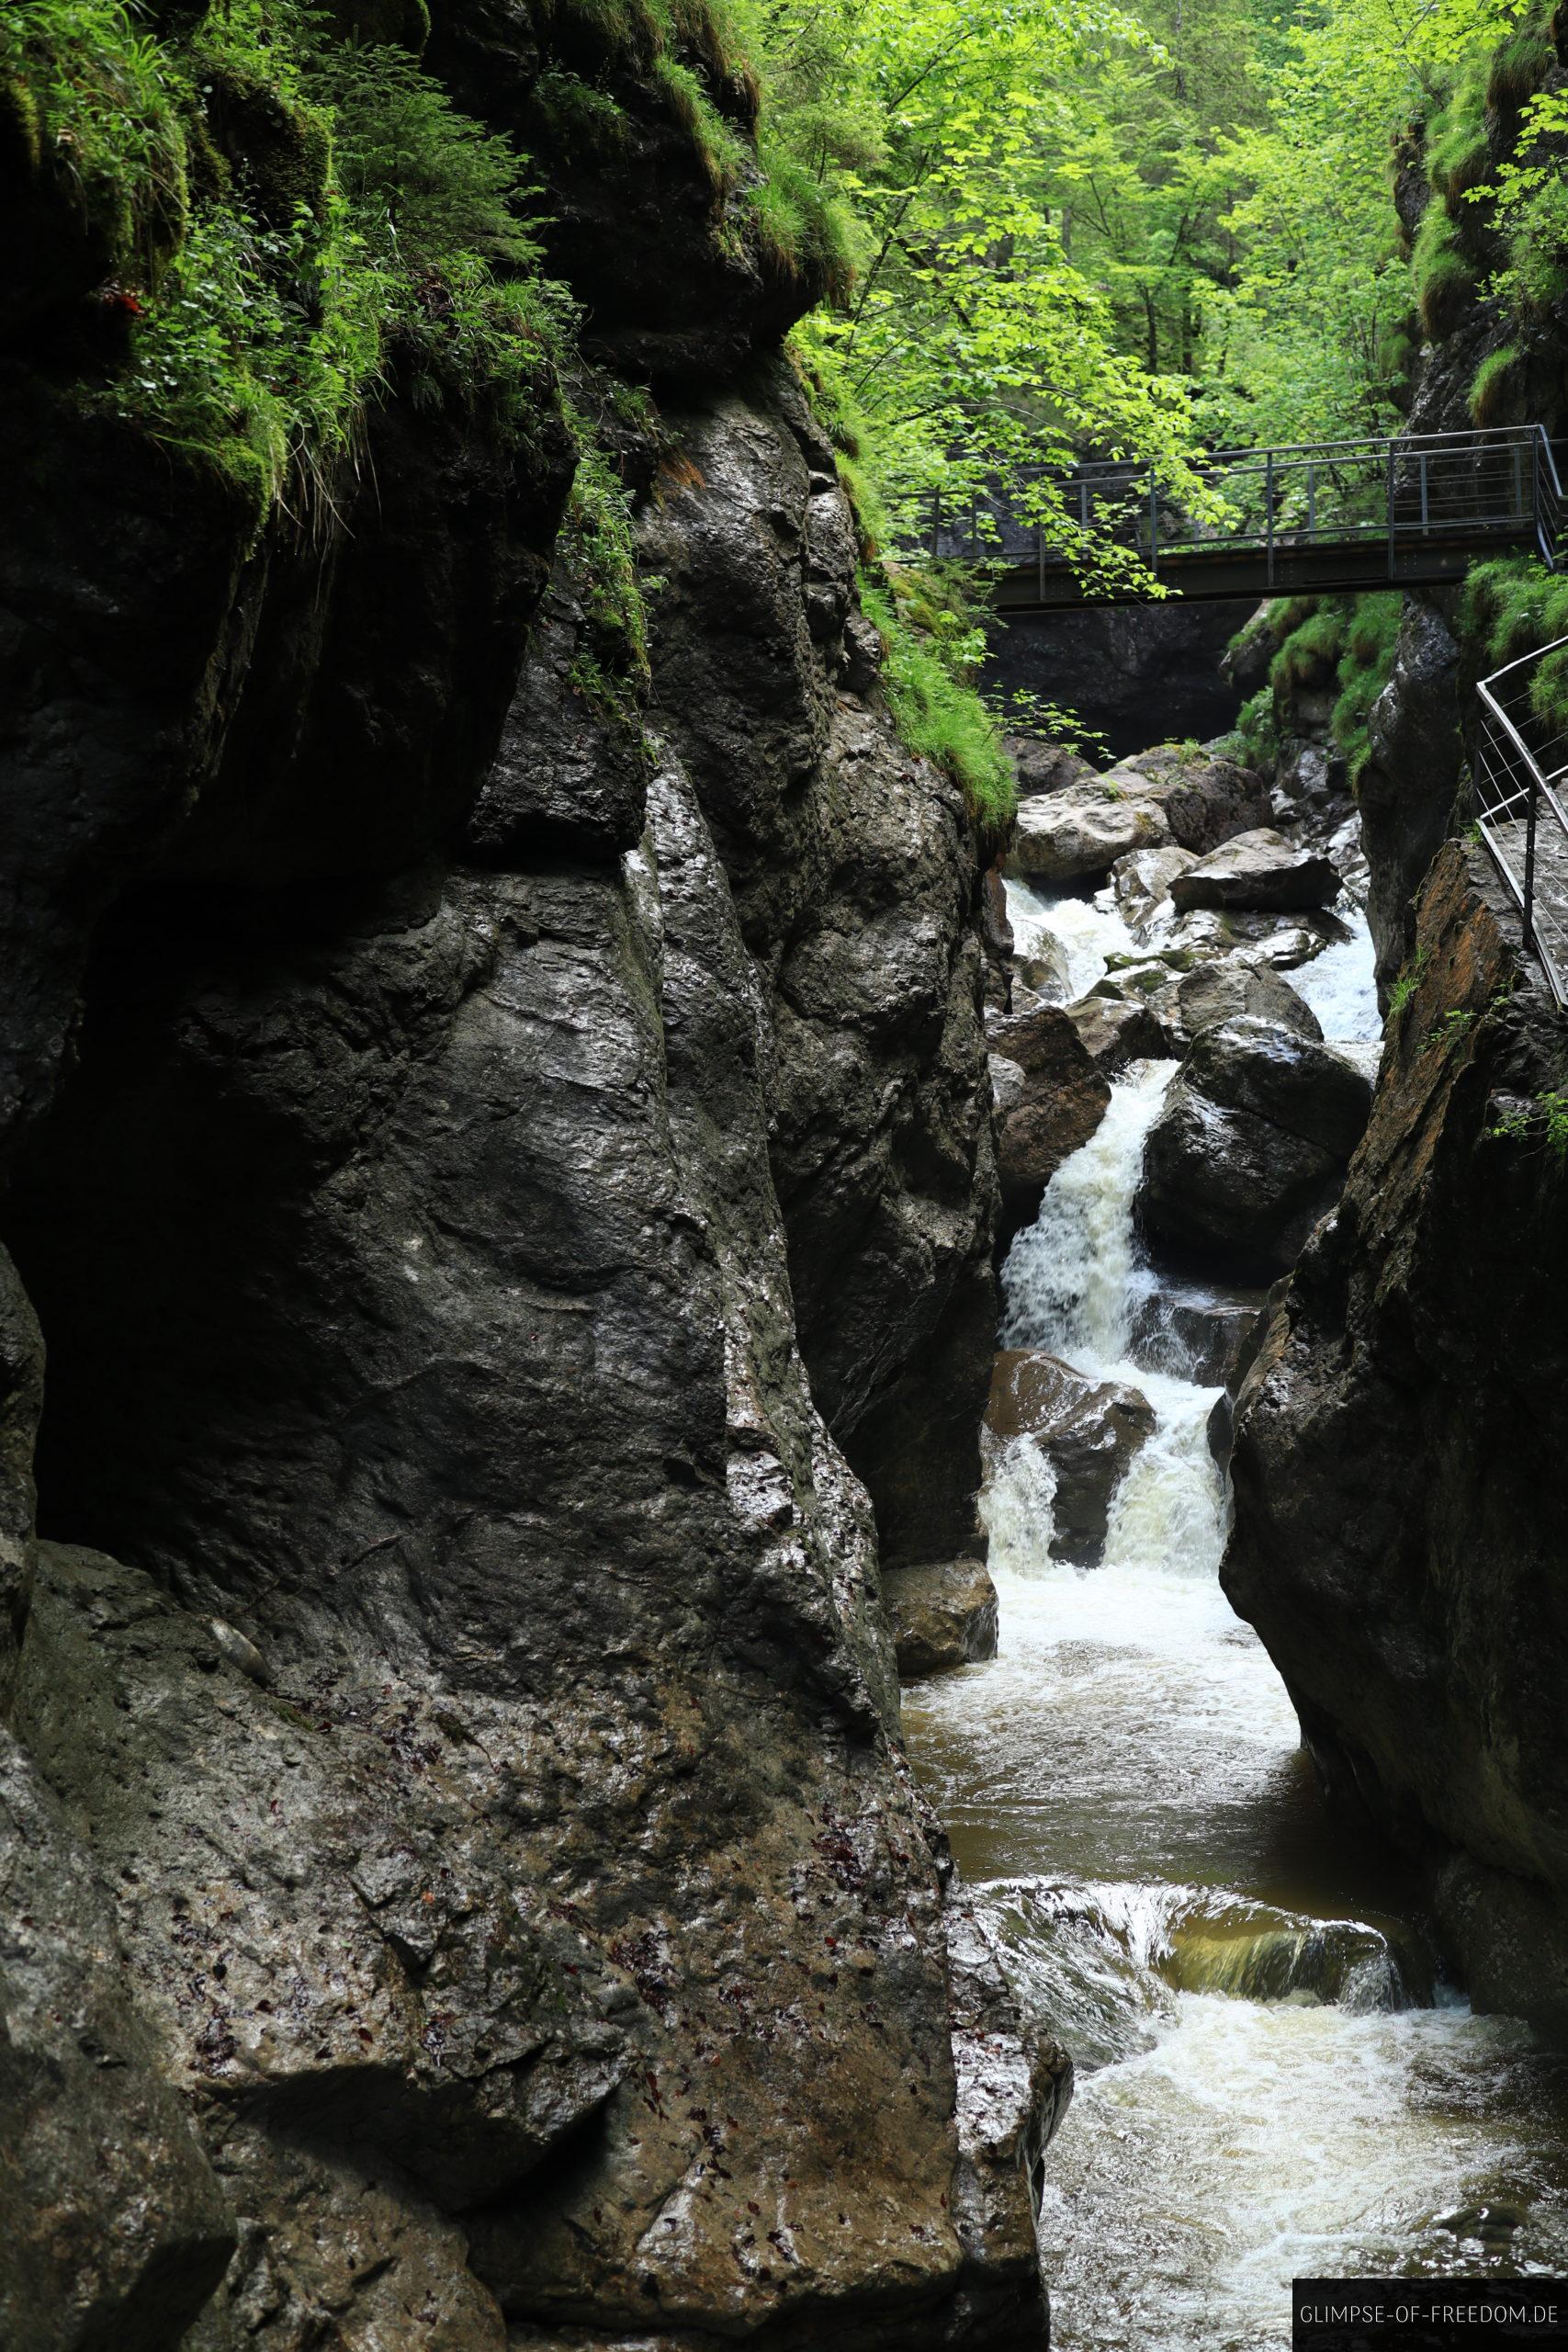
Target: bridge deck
<point x="1410" y="511"/>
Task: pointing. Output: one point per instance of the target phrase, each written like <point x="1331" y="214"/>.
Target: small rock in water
<point x="944" y="1614"/>
<point x="1089" y="1431"/>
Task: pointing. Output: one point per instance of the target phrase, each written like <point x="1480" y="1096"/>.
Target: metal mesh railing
<point x="1520" y="778"/>
<point x="1491" y="487"/>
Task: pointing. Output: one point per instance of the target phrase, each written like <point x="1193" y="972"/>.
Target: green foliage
<point x="1257" y="728"/>
<point x="291" y="218"/>
<point x="1365" y="668"/>
<point x="927" y="675"/>
<point x="1543" y="1122"/>
<point x="1310" y="654"/>
<point x="1404" y="989"/>
<point x="97" y="103"/>
<point x="1520" y="65"/>
<point x="1513" y="606"/>
<point x="1019" y="710"/>
<point x="422" y="181"/>
<point x="609" y="669"/>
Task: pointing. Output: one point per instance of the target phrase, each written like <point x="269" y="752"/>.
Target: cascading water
<point x="1266" y="2085"/>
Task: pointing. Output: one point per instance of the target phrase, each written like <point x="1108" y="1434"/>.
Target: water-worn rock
<point x="1408" y="788"/>
<point x="1061" y="1103"/>
<point x="1142" y="881"/>
<point x="1046" y="767"/>
<point x="1202" y="1337"/>
<point x="1250" y="1148"/>
<point x="1115" y="1030"/>
<point x="1259" y="869"/>
<point x="1235" y="988"/>
<point x="1399" y="1445"/>
<point x="463" y="1657"/>
<point x="116" y="2230"/>
<point x="942" y="1613"/>
<point x="1089" y="1429"/>
<point x="1076" y="834"/>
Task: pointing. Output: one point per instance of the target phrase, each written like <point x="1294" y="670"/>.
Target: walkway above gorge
<point x="1406" y="510"/>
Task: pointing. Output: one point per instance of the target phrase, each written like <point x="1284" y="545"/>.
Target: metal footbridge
<point x="1406" y="511"/>
<point x="1519" y="781"/>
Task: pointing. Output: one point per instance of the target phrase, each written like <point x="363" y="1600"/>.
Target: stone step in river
<point x="1271" y="2080"/>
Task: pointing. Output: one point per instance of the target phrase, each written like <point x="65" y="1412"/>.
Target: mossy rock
<point x="279" y="153"/>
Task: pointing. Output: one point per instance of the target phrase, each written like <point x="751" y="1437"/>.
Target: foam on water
<point x="1340" y="984"/>
<point x="1075" y="936"/>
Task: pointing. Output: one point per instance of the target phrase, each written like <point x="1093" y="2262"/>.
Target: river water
<point x="1271" y="2081"/>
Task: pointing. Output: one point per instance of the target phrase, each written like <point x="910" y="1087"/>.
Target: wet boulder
<point x="1251" y="1147"/>
<point x="1078" y="834"/>
<point x="1142" y="881"/>
<point x="1259" y="869"/>
<point x="1048" y="1111"/>
<point x="1089" y="1431"/>
<point x="944" y="1614"/>
<point x="1237" y="989"/>
<point x="1115" y="1030"/>
<point x="1198" y="1336"/>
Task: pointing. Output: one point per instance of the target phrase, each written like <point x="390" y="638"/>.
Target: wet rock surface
<point x="1051" y="1099"/>
<point x="1251" y="1147"/>
<point x="1259" y="870"/>
<point x="1397" y="1440"/>
<point x="942" y="1615"/>
<point x="539" y="1207"/>
<point x="1090" y="1431"/>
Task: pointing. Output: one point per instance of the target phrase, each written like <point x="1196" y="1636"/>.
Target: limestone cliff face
<point x="501" y="1191"/>
<point x="1398" y="1542"/>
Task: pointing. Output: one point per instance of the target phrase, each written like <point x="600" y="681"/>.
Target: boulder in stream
<point x="1259" y="870"/>
<point x="944" y="1614"/>
<point x="1089" y="1432"/>
<point x="1115" y="1030"/>
<point x="1203" y="798"/>
<point x="1049" y="1100"/>
<point x="1235" y="988"/>
<point x="1142" y="881"/>
<point x="1078" y="834"/>
<point x="1251" y="1147"/>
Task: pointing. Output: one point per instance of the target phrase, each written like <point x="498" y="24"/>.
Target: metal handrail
<point x="1520" y="779"/>
<point x="1496" y="484"/>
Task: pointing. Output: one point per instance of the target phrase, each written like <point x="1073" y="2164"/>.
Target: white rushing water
<point x="1072" y="937"/>
<point x="1265" y="2087"/>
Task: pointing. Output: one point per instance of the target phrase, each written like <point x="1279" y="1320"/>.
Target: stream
<point x="1271" y="2080"/>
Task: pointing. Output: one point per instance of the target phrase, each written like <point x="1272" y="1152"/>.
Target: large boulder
<point x="1090" y="1431"/>
<point x="1049" y="1100"/>
<point x="1203" y="798"/>
<point x="1259" y="869"/>
<point x="944" y="1614"/>
<point x="1234" y="989"/>
<point x="1078" y="834"/>
<point x="1198" y="1336"/>
<point x="1251" y="1147"/>
<point x="1115" y="1030"/>
<point x="1046" y="767"/>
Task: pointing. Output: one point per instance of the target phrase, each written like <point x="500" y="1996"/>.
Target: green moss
<point x="1511" y="607"/>
<point x="718" y="148"/>
<point x="610" y="668"/>
<point x="1365" y="668"/>
<point x="800" y="229"/>
<point x="1495" y="379"/>
<point x="1519" y="66"/>
<point x="1258" y="729"/>
<point x="1310" y="655"/>
<point x="935" y="708"/>
<point x="94" y="108"/>
<point x="1442" y="278"/>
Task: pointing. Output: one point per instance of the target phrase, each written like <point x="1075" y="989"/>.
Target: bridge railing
<point x="1498" y="484"/>
<point x="1520" y="784"/>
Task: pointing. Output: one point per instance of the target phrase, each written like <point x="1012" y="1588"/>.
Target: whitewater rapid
<point x="1270" y="2082"/>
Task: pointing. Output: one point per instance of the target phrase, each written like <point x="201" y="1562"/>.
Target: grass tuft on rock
<point x="928" y="678"/>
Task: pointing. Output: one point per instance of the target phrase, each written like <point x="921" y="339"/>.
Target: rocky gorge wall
<point x="501" y="1186"/>
<point x="1399" y="1540"/>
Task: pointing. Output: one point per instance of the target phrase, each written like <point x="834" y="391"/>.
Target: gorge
<point x="777" y="1452"/>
